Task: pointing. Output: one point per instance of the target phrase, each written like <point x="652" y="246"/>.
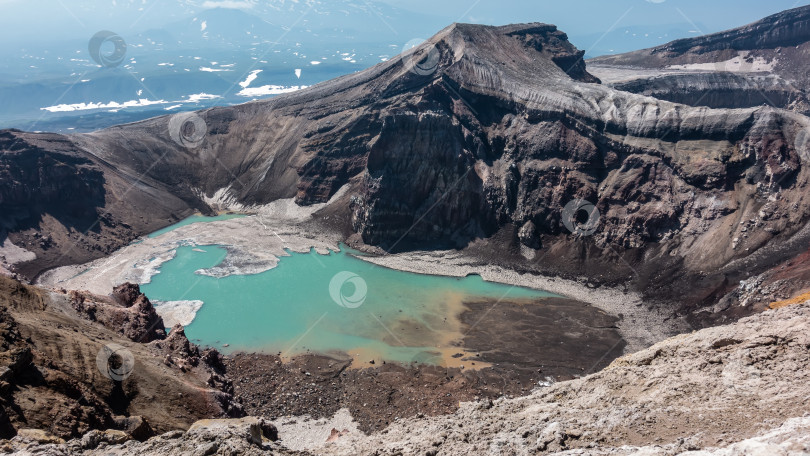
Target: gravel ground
<point x="305" y="433"/>
<point x="710" y="390"/>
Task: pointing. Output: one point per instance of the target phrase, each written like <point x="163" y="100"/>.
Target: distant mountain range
<point x="201" y="52"/>
<point x="201" y="60"/>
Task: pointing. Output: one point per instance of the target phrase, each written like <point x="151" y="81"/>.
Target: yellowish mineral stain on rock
<point x="788" y="302"/>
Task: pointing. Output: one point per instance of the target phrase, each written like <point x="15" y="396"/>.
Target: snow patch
<point x="111" y="105"/>
<point x="738" y="64"/>
<point x="250" y="78"/>
<point x="177" y="312"/>
<point x="268" y="90"/>
<point x="214" y="70"/>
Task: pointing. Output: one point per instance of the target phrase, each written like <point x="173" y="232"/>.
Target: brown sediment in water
<point x="556" y="336"/>
<point x="569" y="339"/>
<point x="441" y="332"/>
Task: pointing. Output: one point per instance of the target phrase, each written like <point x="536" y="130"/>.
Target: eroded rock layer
<point x="763" y="63"/>
<point x="68" y="371"/>
<point x="484" y="131"/>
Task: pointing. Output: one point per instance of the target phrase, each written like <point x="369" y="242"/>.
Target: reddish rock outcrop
<point x="128" y="311"/>
<point x="51" y="366"/>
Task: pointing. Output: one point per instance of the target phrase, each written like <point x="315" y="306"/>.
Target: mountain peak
<point x="515" y="46"/>
<point x="785" y="29"/>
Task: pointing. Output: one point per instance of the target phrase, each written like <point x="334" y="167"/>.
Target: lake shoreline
<point x="274" y="387"/>
<point x="256" y="242"/>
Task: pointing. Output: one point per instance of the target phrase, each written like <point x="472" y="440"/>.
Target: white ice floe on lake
<point x="114" y="106"/>
<point x="196" y="97"/>
<point x="177" y="312"/>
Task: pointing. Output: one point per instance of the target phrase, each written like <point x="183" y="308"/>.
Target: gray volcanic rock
<point x="712" y="89"/>
<point x="485" y="131"/>
<point x="701" y="391"/>
<point x="245" y="436"/>
<point x="734" y="390"/>
<point x="766" y="62"/>
<point x="67" y="206"/>
<point x="784" y="29"/>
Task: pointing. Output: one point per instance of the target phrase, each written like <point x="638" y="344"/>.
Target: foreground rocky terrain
<point x="708" y="389"/>
<point x="739" y="389"/>
<point x="72" y="362"/>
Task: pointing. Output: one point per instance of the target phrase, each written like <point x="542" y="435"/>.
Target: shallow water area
<point x="195" y="219"/>
<point x="333" y="303"/>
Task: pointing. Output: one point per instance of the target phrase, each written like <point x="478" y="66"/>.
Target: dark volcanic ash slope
<point x="69" y="206"/>
<point x="492" y="142"/>
<point x="766" y="62"/>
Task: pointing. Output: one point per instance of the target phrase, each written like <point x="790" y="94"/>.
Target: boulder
<point x="38" y="436"/>
<point x="135" y="426"/>
<point x="94" y="438"/>
<point x="250" y="428"/>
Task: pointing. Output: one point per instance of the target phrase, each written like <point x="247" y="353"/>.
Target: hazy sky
<point x="24" y="21"/>
<point x="583" y="16"/>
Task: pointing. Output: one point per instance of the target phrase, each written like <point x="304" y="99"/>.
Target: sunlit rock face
<point x="764" y="63"/>
<point x="482" y="131"/>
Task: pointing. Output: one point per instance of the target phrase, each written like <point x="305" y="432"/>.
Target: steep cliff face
<point x="67" y="375"/>
<point x="490" y="131"/>
<point x="714" y="89"/>
<point x="764" y="63"/>
<point x="66" y="205"/>
<point x="47" y="175"/>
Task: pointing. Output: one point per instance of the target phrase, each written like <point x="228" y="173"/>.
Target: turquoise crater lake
<point x="333" y="303"/>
